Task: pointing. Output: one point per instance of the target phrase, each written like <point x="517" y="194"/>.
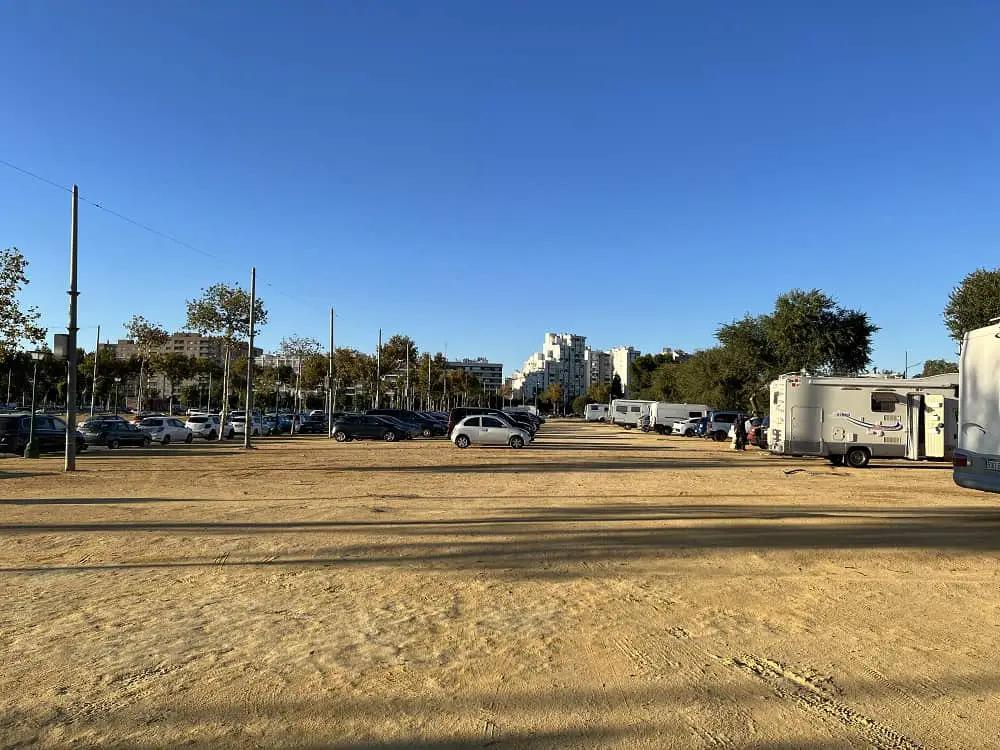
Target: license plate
<point x="993" y="465"/>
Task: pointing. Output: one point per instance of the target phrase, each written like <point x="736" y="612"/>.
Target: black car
<point x="514" y="420"/>
<point x="113" y="433"/>
<point x="368" y="426"/>
<point x="50" y="434"/>
<point x="426" y="427"/>
<point x="311" y="425"/>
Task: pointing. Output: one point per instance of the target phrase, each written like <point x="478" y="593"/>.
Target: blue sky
<point x="475" y="174"/>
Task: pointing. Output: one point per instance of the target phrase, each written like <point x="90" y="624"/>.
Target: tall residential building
<point x="489" y="374"/>
<point x="598" y="367"/>
<point x="562" y="360"/>
<point x="189" y="344"/>
<point x="621" y="358"/>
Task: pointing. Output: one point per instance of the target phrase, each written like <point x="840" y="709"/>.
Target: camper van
<point x="853" y="420"/>
<point x="596" y="412"/>
<point x="626" y="411"/>
<point x="663" y="415"/>
<point x="977" y="457"/>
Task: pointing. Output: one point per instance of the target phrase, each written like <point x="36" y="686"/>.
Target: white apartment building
<point x="621" y="358"/>
<point x="277" y="360"/>
<point x="562" y="360"/>
<point x="598" y="367"/>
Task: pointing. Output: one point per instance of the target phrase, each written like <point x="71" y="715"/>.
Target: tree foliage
<point x="973" y="303"/>
<point x="938" y="367"/>
<point x="17" y="322"/>
<point x="149" y="338"/>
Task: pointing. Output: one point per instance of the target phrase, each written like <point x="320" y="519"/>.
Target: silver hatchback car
<point x="486" y="429"/>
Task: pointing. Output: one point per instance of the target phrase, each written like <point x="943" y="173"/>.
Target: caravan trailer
<point x="977" y="457"/>
<point x="852" y="420"/>
<point x="596" y="412"/>
<point x="626" y="411"/>
<point x="663" y="415"/>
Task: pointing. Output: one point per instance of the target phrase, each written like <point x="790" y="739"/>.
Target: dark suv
<point x="370" y="426"/>
<point x="113" y="433"/>
<point x="50" y="434"/>
<point x="514" y="420"/>
<point x="428" y="427"/>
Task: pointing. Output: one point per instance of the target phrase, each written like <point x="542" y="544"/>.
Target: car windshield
<point x="152" y="423"/>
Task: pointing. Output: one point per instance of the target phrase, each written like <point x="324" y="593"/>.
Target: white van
<point x="662" y="415"/>
<point x="626" y="411"/>
<point x="596" y="412"/>
<point x="977" y="456"/>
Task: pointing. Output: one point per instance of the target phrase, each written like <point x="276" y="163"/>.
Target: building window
<point x="883" y="402"/>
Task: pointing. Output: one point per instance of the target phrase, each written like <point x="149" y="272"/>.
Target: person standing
<point x="741" y="434"/>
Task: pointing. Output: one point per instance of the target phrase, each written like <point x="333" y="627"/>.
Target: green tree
<point x="938" y="367"/>
<point x="176" y="367"/>
<point x="553" y="396"/>
<point x="599" y="393"/>
<point x="301" y="348"/>
<point x="18" y="322"/>
<point x="973" y="303"/>
<point x="223" y="310"/>
<point x="149" y="338"/>
<point x="580" y="404"/>
<point x="616" y="387"/>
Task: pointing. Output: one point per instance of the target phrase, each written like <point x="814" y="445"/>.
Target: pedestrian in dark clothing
<point x="741" y="434"/>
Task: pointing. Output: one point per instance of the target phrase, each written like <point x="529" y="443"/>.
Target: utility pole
<point x="329" y="383"/>
<point x="93" y="388"/>
<point x="407" y="375"/>
<point x="248" y="428"/>
<point x="378" y="369"/>
<point x="70" y="462"/>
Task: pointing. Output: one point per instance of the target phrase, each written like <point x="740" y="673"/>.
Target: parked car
<point x="720" y="422"/>
<point x="309" y="425"/>
<point x="488" y="429"/>
<point x="240" y="424"/>
<point x="207" y="426"/>
<point x="521" y="421"/>
<point x="686" y="427"/>
<point x="367" y="426"/>
<point x="166" y="430"/>
<point x="114" y="434"/>
<point x="50" y="434"/>
<point x="758" y="432"/>
<point x="426" y="426"/>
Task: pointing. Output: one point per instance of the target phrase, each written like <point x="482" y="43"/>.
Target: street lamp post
<point x="117" y="381"/>
<point x="31" y="449"/>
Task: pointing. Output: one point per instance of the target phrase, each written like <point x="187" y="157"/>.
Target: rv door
<point x="914" y="434"/>
<point x="934" y="426"/>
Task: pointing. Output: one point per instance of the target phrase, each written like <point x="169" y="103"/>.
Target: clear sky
<point x="477" y="173"/>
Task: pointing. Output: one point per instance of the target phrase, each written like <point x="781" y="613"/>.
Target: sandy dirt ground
<point x="596" y="589"/>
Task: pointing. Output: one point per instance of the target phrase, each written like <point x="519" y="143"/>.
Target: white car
<point x="486" y="429"/>
<point x="240" y="424"/>
<point x="166" y="430"/>
<point x="686" y="427"/>
<point x="207" y="426"/>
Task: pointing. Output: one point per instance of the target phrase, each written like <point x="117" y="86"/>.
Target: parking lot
<point x="598" y="588"/>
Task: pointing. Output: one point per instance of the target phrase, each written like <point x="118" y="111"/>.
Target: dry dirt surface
<point x="597" y="589"/>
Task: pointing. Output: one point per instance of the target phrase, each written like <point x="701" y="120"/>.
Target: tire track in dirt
<point x="814" y="697"/>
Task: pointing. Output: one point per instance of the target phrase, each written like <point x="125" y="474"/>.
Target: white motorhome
<point x="662" y="415"/>
<point x="596" y="412"/>
<point x="977" y="457"/>
<point x="853" y="420"/>
<point x="626" y="411"/>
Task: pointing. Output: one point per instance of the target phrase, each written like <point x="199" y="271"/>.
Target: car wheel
<point x="688" y="433"/>
<point x="462" y="441"/>
<point x="389" y="437"/>
<point x="113" y="443"/>
<point x="857" y="458"/>
<point x="627" y="426"/>
<point x="212" y="435"/>
<point x="147" y="442"/>
<point x="719" y="436"/>
<point x="340" y="436"/>
<point x="516" y="441"/>
<point x="166" y="440"/>
<point x="189" y="439"/>
<point x="426" y="432"/>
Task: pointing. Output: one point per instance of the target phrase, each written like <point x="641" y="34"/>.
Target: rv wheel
<point x="857" y="458"/>
<point x="627" y="426"/>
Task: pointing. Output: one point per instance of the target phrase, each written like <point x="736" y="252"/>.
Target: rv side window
<point x="693" y="414"/>
<point x="882" y="402"/>
<point x="621" y="409"/>
<point x="775" y="397"/>
<point x="636" y="409"/>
